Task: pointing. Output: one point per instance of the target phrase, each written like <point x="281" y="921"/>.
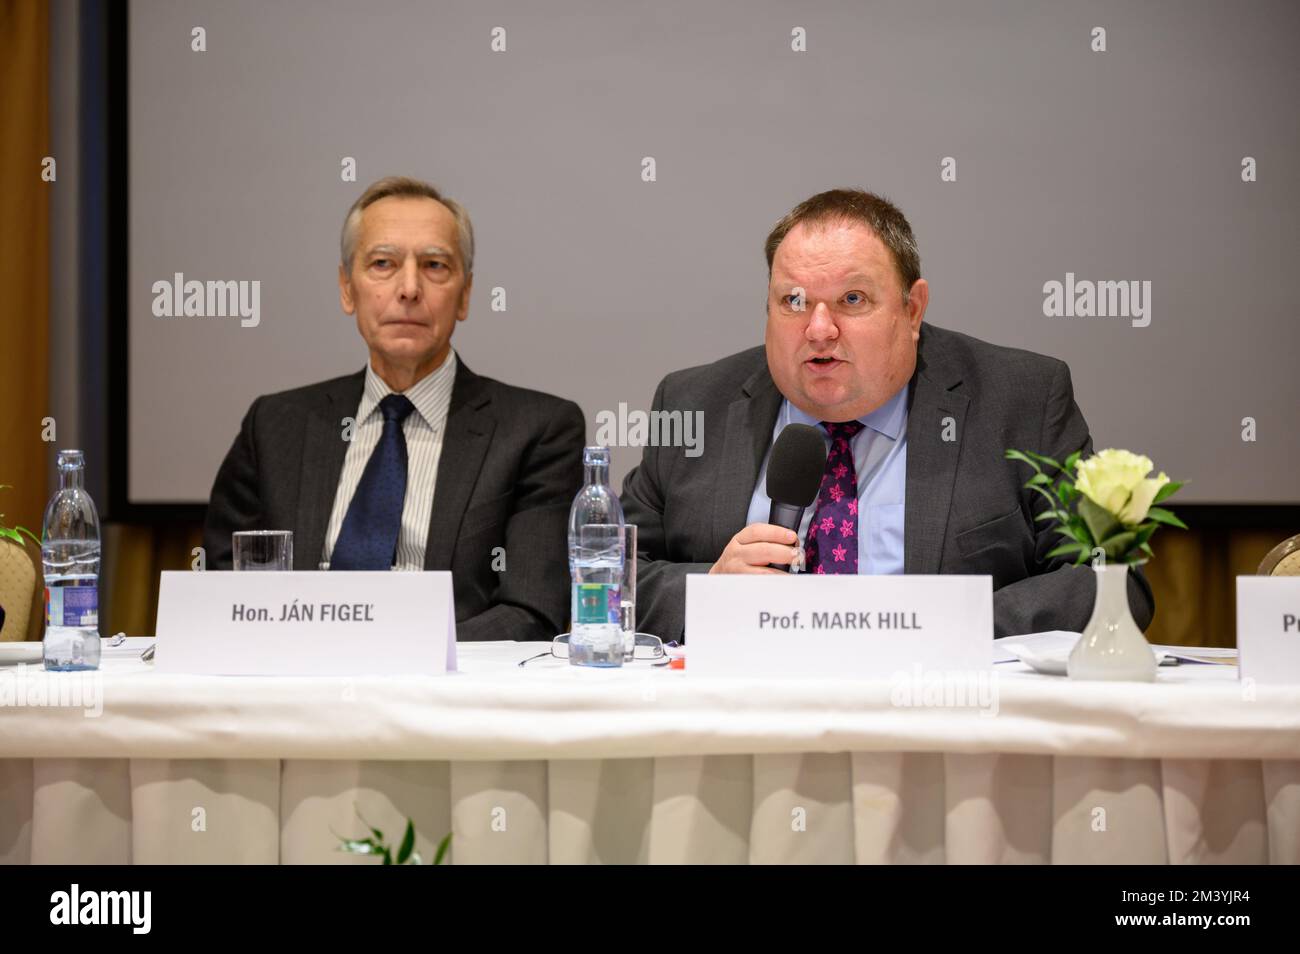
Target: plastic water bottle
<point x="70" y="557"/>
<point x="596" y="567"/>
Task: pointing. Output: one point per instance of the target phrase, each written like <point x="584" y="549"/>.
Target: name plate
<point x="865" y="627"/>
<point x="1268" y="628"/>
<point x="338" y="623"/>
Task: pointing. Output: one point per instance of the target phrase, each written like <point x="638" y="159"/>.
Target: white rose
<point x="1116" y="481"/>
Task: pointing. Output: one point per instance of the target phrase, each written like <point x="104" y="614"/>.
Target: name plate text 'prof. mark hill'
<point x="810" y="626"/>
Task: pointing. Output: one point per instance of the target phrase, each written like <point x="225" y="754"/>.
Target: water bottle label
<point x="72" y="606"/>
<point x="597" y="604"/>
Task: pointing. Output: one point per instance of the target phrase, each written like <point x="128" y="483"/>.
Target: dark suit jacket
<point x="511" y="465"/>
<point x="966" y="509"/>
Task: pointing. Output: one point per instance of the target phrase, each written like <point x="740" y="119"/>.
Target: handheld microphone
<point x="794" y="476"/>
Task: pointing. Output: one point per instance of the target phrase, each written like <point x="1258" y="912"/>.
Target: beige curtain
<point x="1194" y="577"/>
<point x="134" y="555"/>
<point x="24" y="267"/>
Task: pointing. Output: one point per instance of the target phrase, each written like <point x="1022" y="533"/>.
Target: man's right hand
<point x="759" y="544"/>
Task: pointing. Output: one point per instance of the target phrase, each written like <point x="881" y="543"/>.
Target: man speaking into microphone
<point x="913" y="421"/>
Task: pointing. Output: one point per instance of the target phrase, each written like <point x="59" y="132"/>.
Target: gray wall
<point x="1115" y="165"/>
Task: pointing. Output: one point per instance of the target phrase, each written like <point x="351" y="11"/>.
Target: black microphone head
<point x="794" y="474"/>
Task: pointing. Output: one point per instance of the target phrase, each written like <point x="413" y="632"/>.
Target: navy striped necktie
<point x="368" y="538"/>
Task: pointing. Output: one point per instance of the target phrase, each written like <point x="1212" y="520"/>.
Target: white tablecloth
<point x="552" y="763"/>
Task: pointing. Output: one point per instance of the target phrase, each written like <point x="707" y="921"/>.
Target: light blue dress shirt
<point x="880" y="459"/>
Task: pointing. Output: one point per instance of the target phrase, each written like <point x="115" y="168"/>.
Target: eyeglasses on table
<point x="646" y="647"/>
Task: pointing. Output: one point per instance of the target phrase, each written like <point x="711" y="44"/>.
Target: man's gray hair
<point x="402" y="186"/>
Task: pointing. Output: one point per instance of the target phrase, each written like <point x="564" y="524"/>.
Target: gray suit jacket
<point x="511" y="465"/>
<point x="966" y="509"/>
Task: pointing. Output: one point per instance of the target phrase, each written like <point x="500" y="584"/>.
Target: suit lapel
<point x="931" y="460"/>
<point x="750" y="419"/>
<point x="464" y="445"/>
<point x="323" y="453"/>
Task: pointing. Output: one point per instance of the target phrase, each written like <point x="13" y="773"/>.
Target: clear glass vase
<point x="1112" y="647"/>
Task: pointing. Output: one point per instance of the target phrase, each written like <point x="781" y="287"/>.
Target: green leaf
<point x="1065" y="549"/>
<point x="8" y="534"/>
<point x="1161" y="515"/>
<point x="1144" y="531"/>
<point x="1051" y="497"/>
<point x="1119" y="545"/>
<point x="1101" y="522"/>
<point x="1039" y="479"/>
<point x="1080" y="528"/>
<point x="375" y="832"/>
<point x="1168" y="490"/>
<point x="1077" y="531"/>
<point x="442" y="849"/>
<point x="1044" y="459"/>
<point x="35" y="539"/>
<point x="1060" y="515"/>
<point x="388" y="857"/>
<point x="1146" y="548"/>
<point x="1023" y="458"/>
<point x="408" y="843"/>
<point x="1065" y="490"/>
<point x="1072" y="461"/>
<point x="1067" y="530"/>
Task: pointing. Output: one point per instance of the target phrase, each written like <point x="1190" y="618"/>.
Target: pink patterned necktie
<point x="832" y="542"/>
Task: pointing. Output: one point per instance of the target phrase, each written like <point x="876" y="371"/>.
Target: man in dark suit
<point x="414" y="462"/>
<point x="915" y="418"/>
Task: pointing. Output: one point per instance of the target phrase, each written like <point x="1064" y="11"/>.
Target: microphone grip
<point x="788" y="516"/>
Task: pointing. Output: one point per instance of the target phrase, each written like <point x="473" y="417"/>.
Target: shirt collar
<point x="431" y="395"/>
<point x="888" y="419"/>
